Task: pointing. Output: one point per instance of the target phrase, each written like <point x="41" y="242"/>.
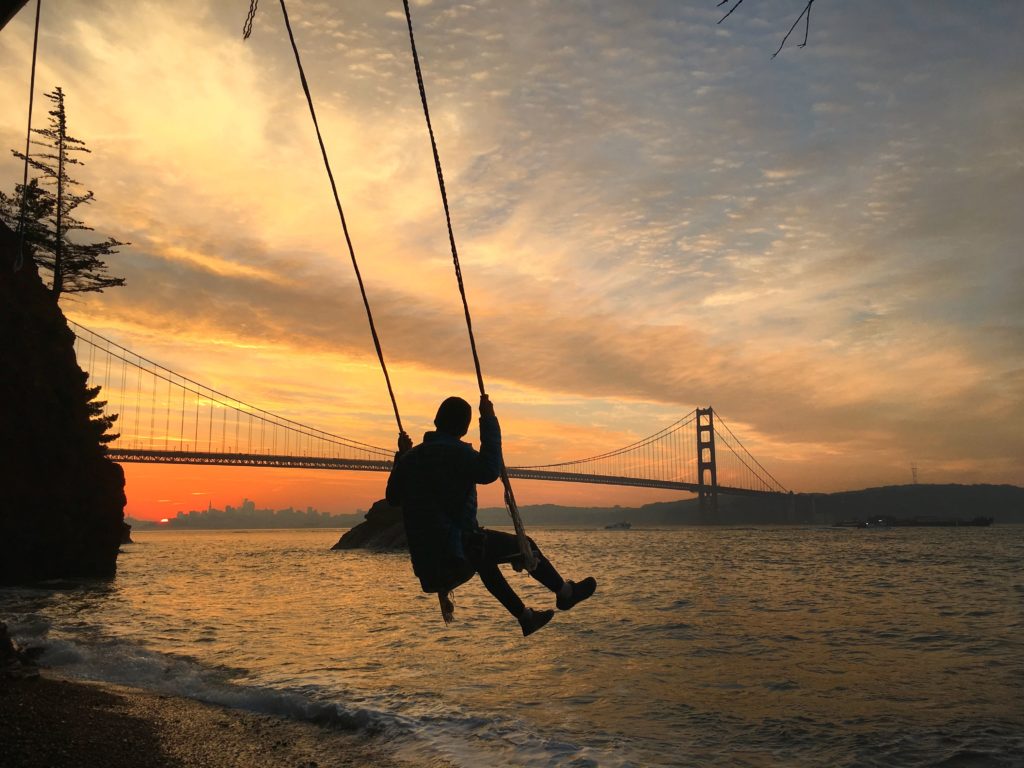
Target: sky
<point x="652" y="213"/>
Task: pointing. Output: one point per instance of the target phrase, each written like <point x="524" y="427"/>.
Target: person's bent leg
<point x="545" y="572"/>
<point x="568" y="593"/>
<point x="529" y="620"/>
<point x="500" y="588"/>
<point x="486" y="559"/>
<point x="501" y="547"/>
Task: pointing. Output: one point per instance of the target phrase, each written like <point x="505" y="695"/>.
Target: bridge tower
<point x="707" y="492"/>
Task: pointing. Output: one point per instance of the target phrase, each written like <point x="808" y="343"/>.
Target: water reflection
<point x="803" y="646"/>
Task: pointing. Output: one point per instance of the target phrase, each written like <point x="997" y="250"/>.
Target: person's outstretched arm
<point x="393" y="494"/>
<point x="488" y="462"/>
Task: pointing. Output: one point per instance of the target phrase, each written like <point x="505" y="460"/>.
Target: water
<point x="703" y="646"/>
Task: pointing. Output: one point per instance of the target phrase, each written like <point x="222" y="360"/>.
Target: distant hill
<point x="1003" y="502"/>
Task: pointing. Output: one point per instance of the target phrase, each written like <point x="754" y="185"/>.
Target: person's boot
<point x="531" y="620"/>
<point x="573" y="593"/>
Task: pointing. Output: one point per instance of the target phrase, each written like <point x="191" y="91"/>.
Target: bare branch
<point x="806" y="12"/>
<point x="738" y="4"/>
<point x="807" y="26"/>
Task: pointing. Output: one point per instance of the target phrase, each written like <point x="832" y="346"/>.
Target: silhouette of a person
<point x="435" y="485"/>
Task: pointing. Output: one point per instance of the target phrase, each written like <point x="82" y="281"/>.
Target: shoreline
<point x="60" y="722"/>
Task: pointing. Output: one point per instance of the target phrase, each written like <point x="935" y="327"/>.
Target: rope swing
<point x="246" y="31"/>
<point x="529" y="558"/>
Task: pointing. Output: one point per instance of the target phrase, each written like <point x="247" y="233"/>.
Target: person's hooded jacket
<point x="435" y="485"/>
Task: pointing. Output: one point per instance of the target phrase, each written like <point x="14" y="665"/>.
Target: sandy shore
<point x="48" y="721"/>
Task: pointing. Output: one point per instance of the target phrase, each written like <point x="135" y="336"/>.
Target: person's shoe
<point x="532" y="620"/>
<point x="577" y="593"/>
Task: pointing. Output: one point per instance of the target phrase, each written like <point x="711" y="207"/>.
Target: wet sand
<point x="57" y="723"/>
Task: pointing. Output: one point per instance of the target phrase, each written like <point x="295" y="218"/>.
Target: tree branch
<point x="738" y="4"/>
<point x="804" y="14"/>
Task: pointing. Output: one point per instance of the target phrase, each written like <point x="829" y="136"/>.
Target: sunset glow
<point x="652" y="215"/>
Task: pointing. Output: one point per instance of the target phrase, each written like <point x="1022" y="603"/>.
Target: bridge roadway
<point x="139" y="456"/>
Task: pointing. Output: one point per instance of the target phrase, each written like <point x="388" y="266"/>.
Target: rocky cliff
<point x="382" y="529"/>
<point x="61" y="500"/>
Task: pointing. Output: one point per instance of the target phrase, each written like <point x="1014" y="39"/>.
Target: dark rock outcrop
<point x="382" y="529"/>
<point x="61" y="500"/>
<point x="7" y="649"/>
<point x="16" y="662"/>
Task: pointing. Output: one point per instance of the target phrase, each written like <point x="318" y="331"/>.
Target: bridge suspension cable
<point x="667" y="454"/>
<point x="162" y="411"/>
<point x="670" y="456"/>
<point x="746" y="471"/>
<point x="165" y="417"/>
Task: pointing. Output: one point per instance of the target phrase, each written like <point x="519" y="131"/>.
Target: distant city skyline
<point x="652" y="215"/>
<point x="213" y="517"/>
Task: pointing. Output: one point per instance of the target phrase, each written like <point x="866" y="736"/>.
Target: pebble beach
<point x="47" y="721"/>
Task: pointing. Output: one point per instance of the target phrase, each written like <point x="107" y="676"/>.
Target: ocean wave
<point x="437" y="733"/>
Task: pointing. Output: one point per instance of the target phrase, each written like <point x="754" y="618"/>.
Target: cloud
<point x="649" y="216"/>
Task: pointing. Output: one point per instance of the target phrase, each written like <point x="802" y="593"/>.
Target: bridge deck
<point x="124" y="455"/>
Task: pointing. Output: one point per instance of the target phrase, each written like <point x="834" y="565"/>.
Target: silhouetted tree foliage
<point x="75" y="267"/>
<point x="99" y="422"/>
<point x="38" y="209"/>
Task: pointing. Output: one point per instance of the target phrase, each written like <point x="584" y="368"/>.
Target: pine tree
<point x="39" y="206"/>
<point x="75" y="267"/>
<point x="100" y="423"/>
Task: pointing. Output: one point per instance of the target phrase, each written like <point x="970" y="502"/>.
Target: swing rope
<point x="337" y="200"/>
<point x="445" y="600"/>
<point x="529" y="558"/>
<point x="19" y="258"/>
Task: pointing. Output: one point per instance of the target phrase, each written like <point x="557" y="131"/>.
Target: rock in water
<point x="7" y="649"/>
<point x="382" y="529"/>
<point x="61" y="499"/>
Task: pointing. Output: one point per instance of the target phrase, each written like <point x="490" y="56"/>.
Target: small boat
<point x="623" y="526"/>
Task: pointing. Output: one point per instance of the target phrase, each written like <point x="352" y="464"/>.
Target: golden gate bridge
<point x="165" y="417"/>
